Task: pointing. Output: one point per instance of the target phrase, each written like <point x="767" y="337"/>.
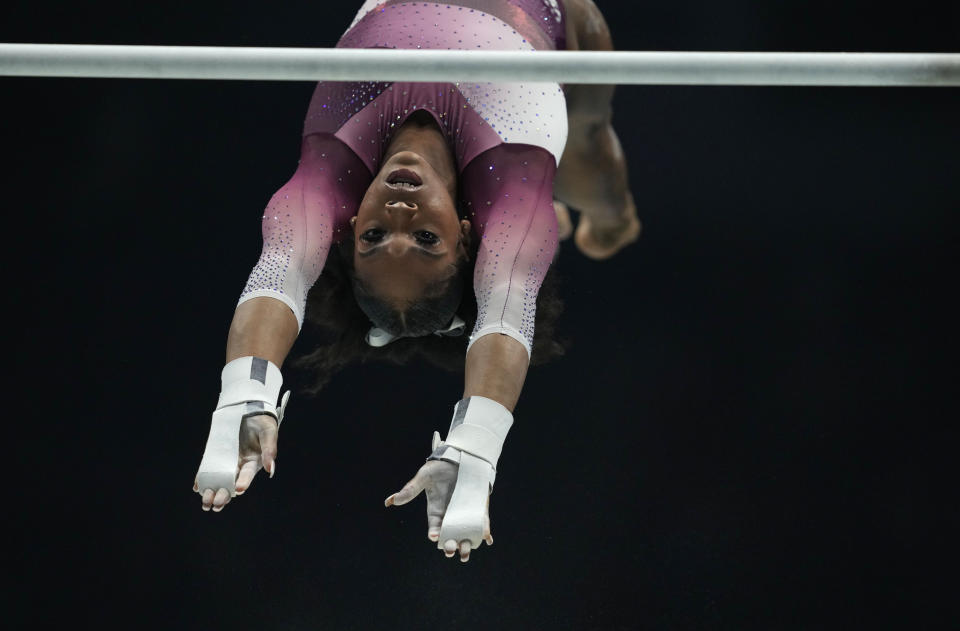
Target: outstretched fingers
<point x="451" y="547"/>
<point x="267" y="434"/>
<point x="248" y="470"/>
<point x="464" y="551"/>
<point x="206" y="499"/>
<point x="487" y="537"/>
<point x="215" y="500"/>
<point x="409" y="491"/>
<point x="434" y="522"/>
<point x="221" y="499"/>
<point x="438" y="479"/>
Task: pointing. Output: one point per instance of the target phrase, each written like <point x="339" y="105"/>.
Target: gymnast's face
<point x="406" y="232"/>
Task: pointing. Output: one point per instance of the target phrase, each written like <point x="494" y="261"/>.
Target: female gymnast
<point x="427" y="189"/>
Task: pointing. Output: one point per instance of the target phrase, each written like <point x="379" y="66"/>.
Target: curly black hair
<point x="334" y="313"/>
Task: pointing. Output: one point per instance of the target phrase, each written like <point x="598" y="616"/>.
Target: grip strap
<point x="250" y="379"/>
<point x="479" y="427"/>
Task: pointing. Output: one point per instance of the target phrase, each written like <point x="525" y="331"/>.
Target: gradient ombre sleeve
<point x="302" y="220"/>
<point x="509" y="191"/>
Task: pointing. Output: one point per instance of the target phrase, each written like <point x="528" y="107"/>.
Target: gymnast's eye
<point x="373" y="235"/>
<point x="425" y="237"/>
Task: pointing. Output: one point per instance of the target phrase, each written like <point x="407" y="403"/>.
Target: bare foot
<point x="564" y="225"/>
<point x="602" y="243"/>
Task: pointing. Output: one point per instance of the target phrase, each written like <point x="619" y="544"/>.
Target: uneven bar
<point x="381" y="64"/>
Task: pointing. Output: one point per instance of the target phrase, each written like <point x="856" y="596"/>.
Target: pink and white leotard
<point x="506" y="138"/>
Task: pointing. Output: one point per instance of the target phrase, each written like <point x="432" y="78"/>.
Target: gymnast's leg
<point x="592" y="174"/>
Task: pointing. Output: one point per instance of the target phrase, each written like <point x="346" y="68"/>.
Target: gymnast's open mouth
<point x="404" y="179"/>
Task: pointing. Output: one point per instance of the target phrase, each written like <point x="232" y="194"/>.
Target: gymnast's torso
<point x="506" y="140"/>
<point x="473" y="116"/>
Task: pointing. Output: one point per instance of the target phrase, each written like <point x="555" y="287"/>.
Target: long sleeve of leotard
<point x="303" y="218"/>
<point x="509" y="190"/>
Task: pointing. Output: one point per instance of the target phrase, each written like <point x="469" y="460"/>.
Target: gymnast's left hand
<point x="438" y="478"/>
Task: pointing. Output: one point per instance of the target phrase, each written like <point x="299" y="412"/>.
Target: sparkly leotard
<point x="506" y="139"/>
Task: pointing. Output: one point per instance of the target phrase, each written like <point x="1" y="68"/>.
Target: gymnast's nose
<point x="401" y="205"/>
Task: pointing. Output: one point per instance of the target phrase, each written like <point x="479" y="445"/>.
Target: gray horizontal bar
<point x="379" y="64"/>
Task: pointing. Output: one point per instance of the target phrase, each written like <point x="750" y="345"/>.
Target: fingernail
<point x="465" y="559"/>
<point x="388" y="501"/>
<point x="239" y="492"/>
<point x="217" y="509"/>
<point x="206" y="508"/>
<point x="273" y="468"/>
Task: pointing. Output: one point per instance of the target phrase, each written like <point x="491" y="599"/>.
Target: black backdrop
<point x="749" y="429"/>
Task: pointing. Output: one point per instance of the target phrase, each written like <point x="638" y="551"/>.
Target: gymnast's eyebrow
<point x="376" y="248"/>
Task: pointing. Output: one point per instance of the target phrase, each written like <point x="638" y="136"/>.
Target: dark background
<point x="749" y="430"/>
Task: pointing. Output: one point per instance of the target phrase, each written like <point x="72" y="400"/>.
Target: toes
<point x="564" y="224"/>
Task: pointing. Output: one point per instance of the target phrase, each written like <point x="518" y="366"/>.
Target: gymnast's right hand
<point x="258" y="450"/>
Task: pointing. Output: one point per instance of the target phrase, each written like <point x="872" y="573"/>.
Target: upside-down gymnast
<point x="435" y="194"/>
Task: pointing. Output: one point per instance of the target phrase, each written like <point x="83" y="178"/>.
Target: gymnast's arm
<point x="299" y="225"/>
<point x="519" y="239"/>
<point x="496" y="368"/>
<point x="518" y="226"/>
<point x="262" y="327"/>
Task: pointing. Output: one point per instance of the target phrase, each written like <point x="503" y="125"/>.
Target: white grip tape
<point x="218" y="468"/>
<point x="246" y="384"/>
<point x="464" y="517"/>
<point x="475" y="440"/>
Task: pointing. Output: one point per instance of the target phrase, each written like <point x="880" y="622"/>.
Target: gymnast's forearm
<point x="262" y="327"/>
<point x="496" y="369"/>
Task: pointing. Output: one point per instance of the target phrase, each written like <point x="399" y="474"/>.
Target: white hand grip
<point x="218" y="468"/>
<point x="465" y="512"/>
